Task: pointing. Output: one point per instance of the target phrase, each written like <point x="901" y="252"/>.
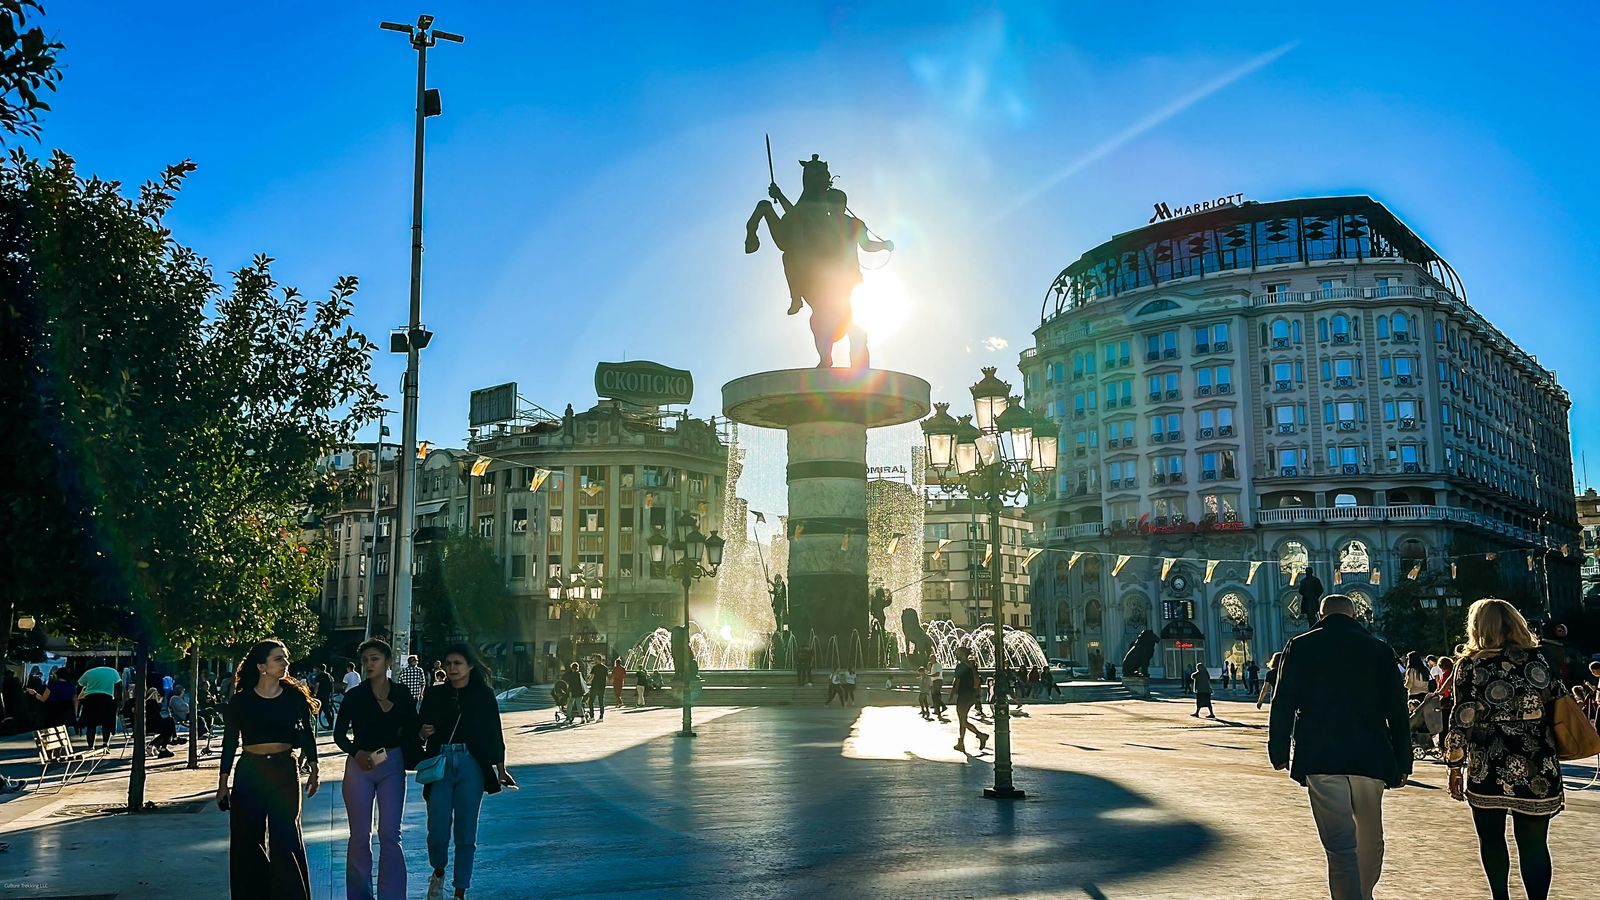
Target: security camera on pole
<point x="414" y="337"/>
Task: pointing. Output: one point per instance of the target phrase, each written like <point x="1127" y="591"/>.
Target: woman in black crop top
<point x="384" y="718"/>
<point x="269" y="716"/>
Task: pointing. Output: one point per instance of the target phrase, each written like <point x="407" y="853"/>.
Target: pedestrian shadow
<point x="780" y="812"/>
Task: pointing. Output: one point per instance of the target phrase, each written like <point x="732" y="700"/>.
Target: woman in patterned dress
<point x="1500" y="733"/>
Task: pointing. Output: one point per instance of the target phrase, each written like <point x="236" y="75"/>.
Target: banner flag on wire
<point x="422" y="449"/>
<point x="1452" y="570"/>
<point x="1416" y="570"/>
<point x="1211" y="568"/>
<point x="1252" y="576"/>
<point x="1032" y="555"/>
<point x="1166" y="566"/>
<point x="988" y="554"/>
<point x="480" y="466"/>
<point x="940" y="549"/>
<point x="760" y="516"/>
<point x="1073" y="560"/>
<point x="1376" y="575"/>
<point x="539" y="476"/>
<point x="1491" y="557"/>
<point x="1122" y="560"/>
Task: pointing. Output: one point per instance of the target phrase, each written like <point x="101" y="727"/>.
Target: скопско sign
<point x="643" y="383"/>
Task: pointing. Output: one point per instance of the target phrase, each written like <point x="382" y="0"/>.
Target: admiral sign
<point x="1164" y="212"/>
<point x="643" y="383"/>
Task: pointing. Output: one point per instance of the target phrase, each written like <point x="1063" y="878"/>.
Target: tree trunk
<point x="141" y="678"/>
<point x="194" y="708"/>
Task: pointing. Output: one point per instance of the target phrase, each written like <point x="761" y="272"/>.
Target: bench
<point x="55" y="749"/>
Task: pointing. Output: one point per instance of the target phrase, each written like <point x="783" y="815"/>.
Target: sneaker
<point x="983" y="742"/>
<point x="961" y="747"/>
<point x="436" y="886"/>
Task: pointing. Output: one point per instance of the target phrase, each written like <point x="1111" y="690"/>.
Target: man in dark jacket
<point x="1311" y="591"/>
<point x="1340" y="697"/>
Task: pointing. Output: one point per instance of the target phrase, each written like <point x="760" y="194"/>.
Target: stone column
<point x="827" y="478"/>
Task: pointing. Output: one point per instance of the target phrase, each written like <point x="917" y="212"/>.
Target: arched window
<point x="1341" y="325"/>
<point x="1438" y="330"/>
<point x="1363" y="605"/>
<point x="1292" y="560"/>
<point x="1354" y="560"/>
<point x="1383" y="327"/>
<point x="1294" y="328"/>
<point x="1061" y="572"/>
<point x="1322" y="330"/>
<point x="1344" y="500"/>
<point x="1234" y="608"/>
<point x="1092" y="615"/>
<point x="1155" y="306"/>
<point x="1063" y="616"/>
<point x="1091" y="568"/>
<point x="1402" y="324"/>
<point x="1399" y="498"/>
<point x="1280" y="330"/>
<point x="1413" y="553"/>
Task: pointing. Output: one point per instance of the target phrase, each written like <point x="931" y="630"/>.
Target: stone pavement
<point x="1125" y="799"/>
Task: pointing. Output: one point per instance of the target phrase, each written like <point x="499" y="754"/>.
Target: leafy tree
<point x="461" y="592"/>
<point x="27" y="68"/>
<point x="170" y="432"/>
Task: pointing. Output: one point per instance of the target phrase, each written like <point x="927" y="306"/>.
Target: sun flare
<point x="880" y="304"/>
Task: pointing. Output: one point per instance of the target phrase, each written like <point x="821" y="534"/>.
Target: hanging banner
<point x="1032" y="555"/>
<point x="1491" y="557"/>
<point x="1073" y="560"/>
<point x="480" y="466"/>
<point x="422" y="449"/>
<point x="940" y="549"/>
<point x="539" y="476"/>
<point x="988" y="554"/>
<point x="1452" y="571"/>
<point x="1252" y="576"/>
<point x="1166" y="566"/>
<point x="1376" y="575"/>
<point x="1416" y="570"/>
<point x="1211" y="568"/>
<point x="1122" y="560"/>
<point x="760" y="516"/>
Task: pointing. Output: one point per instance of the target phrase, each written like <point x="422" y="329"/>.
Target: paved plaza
<point x="1125" y="799"/>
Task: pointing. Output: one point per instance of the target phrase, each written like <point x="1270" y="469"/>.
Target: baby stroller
<point x="559" y="695"/>
<point x="1427" y="720"/>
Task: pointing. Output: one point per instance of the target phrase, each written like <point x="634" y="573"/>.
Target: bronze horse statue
<point x="819" y="239"/>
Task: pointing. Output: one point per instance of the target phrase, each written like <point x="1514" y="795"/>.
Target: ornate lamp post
<point x="576" y="595"/>
<point x="1001" y="458"/>
<point x="688" y="548"/>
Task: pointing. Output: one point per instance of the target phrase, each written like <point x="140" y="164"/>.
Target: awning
<point x="430" y="507"/>
<point x="493" y="648"/>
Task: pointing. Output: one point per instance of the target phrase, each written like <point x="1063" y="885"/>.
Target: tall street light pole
<point x="372" y="552"/>
<point x="995" y="461"/>
<point x="410" y="342"/>
<point x="688" y="548"/>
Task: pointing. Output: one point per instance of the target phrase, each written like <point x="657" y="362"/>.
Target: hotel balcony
<point x="1407" y="512"/>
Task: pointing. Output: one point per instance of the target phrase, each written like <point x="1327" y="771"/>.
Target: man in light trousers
<point x="1341" y="700"/>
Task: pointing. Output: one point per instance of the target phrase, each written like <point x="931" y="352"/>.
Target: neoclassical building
<point x="1299" y="383"/>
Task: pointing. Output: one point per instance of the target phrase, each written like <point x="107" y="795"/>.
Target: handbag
<point x="432" y="768"/>
<point x="1574" y="733"/>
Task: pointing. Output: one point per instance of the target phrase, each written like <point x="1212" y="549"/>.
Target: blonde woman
<point x="1270" y="682"/>
<point x="1500" y="733"/>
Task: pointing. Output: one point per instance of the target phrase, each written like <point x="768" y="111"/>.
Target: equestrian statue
<point x="819" y="238"/>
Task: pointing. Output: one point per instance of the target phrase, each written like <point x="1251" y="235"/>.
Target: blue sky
<point x="589" y="180"/>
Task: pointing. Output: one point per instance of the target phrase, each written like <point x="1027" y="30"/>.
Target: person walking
<point x="97" y="702"/>
<point x="937" y="695"/>
<point x="1252" y="677"/>
<point x="414" y="678"/>
<point x="383" y="718"/>
<point x="1339" y="698"/>
<point x="1270" y="681"/>
<point x="599" y="674"/>
<point x="924" y="688"/>
<point x="966" y="694"/>
<point x="619" y="674"/>
<point x="849" y="687"/>
<point x="835" y="687"/>
<point x="269" y="716"/>
<point x="577" y="689"/>
<point x="1446" y="692"/>
<point x="351" y="679"/>
<point x="1500" y="746"/>
<point x="1418" y="682"/>
<point x="1202" y="691"/>
<point x="461" y="722"/>
<point x="158" y="716"/>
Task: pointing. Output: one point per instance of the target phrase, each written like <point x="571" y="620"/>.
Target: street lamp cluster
<point x="576" y="595"/>
<point x="1004" y="457"/>
<point x="689" y="547"/>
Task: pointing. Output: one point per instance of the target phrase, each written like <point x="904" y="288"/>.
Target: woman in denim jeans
<point x="461" y="721"/>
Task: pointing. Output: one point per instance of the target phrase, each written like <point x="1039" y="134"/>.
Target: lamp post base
<point x="1004" y="793"/>
<point x="686" y="733"/>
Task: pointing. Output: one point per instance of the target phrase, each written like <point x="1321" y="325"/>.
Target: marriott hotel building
<point x="1298" y="383"/>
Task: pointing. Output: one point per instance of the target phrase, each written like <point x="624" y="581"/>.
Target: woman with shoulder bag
<point x="383" y="716"/>
<point x="269" y="716"/>
<point x="1501" y="744"/>
<point x="464" y="758"/>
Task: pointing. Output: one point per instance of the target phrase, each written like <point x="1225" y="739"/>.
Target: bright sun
<point x="880" y="304"/>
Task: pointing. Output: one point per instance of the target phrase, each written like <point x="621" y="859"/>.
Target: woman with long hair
<point x="1269" y="682"/>
<point x="269" y="716"/>
<point x="383" y="716"/>
<point x="461" y="722"/>
<point x="1500" y="734"/>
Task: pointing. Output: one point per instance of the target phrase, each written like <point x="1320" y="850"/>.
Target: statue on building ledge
<point x="819" y="238"/>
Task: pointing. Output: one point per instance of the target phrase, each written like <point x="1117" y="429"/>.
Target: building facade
<point x="353" y="567"/>
<point x="1300" y="384"/>
<point x="957" y="586"/>
<point x="610" y="478"/>
<point x="1589" y="522"/>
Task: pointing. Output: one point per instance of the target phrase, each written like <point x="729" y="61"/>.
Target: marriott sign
<point x="1164" y="212"/>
